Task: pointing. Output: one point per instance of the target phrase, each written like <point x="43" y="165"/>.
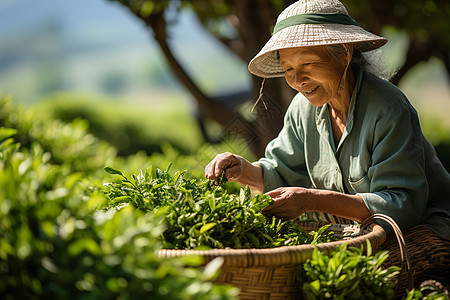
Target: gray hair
<point x="371" y="61"/>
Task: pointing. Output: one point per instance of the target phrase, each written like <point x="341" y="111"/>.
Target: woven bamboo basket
<point x="272" y="273"/>
<point x="427" y="258"/>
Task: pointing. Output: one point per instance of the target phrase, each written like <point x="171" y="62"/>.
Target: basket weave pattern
<point x="429" y="256"/>
<point x="274" y="282"/>
<point x="272" y="273"/>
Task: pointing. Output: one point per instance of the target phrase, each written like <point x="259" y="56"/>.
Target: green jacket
<point x="383" y="156"/>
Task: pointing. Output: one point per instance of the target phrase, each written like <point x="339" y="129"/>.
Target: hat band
<point x="315" y="18"/>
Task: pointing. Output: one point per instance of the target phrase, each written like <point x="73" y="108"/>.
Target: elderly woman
<point x="351" y="144"/>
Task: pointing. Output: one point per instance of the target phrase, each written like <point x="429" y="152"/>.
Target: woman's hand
<point x="290" y="202"/>
<point x="237" y="169"/>
<point x="228" y="162"/>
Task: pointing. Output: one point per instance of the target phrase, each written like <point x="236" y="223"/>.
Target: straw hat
<point x="311" y="23"/>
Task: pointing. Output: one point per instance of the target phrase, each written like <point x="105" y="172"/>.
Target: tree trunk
<point x="276" y="94"/>
<point x="229" y="118"/>
<point x="256" y="17"/>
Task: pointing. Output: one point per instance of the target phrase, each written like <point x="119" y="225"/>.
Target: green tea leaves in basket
<point x="204" y="215"/>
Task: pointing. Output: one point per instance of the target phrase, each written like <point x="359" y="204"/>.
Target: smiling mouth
<point x="311" y="91"/>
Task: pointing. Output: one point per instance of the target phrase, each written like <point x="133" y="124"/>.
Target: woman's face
<point x="312" y="71"/>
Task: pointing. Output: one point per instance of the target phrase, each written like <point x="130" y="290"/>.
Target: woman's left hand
<point x="290" y="202"/>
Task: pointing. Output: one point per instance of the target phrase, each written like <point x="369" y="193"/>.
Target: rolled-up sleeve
<point x="398" y="184"/>
<point x="284" y="160"/>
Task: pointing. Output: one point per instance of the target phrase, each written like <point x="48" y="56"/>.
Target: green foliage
<point x="129" y="129"/>
<point x="425" y="293"/>
<point x="54" y="246"/>
<point x="66" y="144"/>
<point x="348" y="274"/>
<point x="203" y="215"/>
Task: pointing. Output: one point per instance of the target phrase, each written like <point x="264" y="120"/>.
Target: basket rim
<point x="283" y="255"/>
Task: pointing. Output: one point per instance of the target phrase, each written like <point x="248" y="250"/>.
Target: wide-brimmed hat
<point x="311" y="23"/>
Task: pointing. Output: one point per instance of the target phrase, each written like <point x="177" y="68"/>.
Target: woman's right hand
<point x="230" y="163"/>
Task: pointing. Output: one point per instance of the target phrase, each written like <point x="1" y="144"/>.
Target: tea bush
<point x="53" y="245"/>
<point x="129" y="128"/>
<point x="348" y="274"/>
<point x="65" y="144"/>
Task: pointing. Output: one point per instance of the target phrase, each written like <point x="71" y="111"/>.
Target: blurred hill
<point x="95" y="46"/>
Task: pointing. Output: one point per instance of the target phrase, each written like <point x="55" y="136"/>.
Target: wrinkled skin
<point x="289" y="202"/>
<point x="232" y="164"/>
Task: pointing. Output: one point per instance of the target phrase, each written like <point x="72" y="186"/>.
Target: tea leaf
<point x="207" y="227"/>
<point x="111" y="170"/>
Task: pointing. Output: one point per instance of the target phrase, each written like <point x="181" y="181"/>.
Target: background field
<point x="93" y="60"/>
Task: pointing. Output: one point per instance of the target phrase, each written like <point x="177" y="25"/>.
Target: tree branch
<point x="228" y="118"/>
<point x="417" y="52"/>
